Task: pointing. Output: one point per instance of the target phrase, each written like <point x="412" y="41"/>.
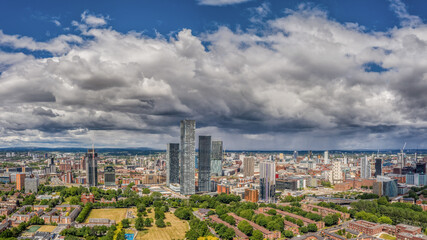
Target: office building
<point x="51" y="165"/>
<point x="420" y="168"/>
<point x="91" y="168"/>
<point x="31" y="185"/>
<point x="378" y="167"/>
<point x="172" y="163"/>
<point x="267" y="181"/>
<point x="216" y="160"/>
<point x="248" y="166"/>
<point x="204" y="163"/>
<point x="385" y="186"/>
<point x="20" y="181"/>
<point x="326" y="157"/>
<point x="109" y="176"/>
<point x="287" y="184"/>
<point x="365" y="171"/>
<point x="188" y="157"/>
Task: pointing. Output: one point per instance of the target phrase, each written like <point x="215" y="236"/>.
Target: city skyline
<point x="259" y="75"/>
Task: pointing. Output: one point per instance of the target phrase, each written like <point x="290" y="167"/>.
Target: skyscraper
<point x="365" y="171"/>
<point x="378" y="167"/>
<point x="31" y="185"/>
<point x="51" y="165"/>
<point x="337" y="176"/>
<point x="248" y="166"/>
<point x="204" y="163"/>
<point x="188" y="157"/>
<point x="20" y="181"/>
<point x="326" y="157"/>
<point x="172" y="163"/>
<point x="91" y="168"/>
<point x="109" y="176"/>
<point x="216" y="161"/>
<point x="267" y="181"/>
<point x="420" y="168"/>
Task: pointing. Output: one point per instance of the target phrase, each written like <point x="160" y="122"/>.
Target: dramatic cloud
<point x="221" y="2"/>
<point x="301" y="81"/>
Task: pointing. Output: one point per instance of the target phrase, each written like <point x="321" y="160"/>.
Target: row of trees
<point x="88" y="233"/>
<point x="398" y="212"/>
<point x="83" y="214"/>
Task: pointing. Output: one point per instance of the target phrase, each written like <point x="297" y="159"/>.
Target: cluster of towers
<point x="181" y="160"/>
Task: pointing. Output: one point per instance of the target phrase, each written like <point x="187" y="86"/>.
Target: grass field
<point x="46" y="228"/>
<point x="176" y="231"/>
<point x="116" y="214"/>
<point x="387" y="236"/>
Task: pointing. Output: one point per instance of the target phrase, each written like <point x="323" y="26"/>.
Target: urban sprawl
<point x="204" y="192"/>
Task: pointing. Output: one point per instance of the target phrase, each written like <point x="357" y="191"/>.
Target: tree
<point x="146" y="191"/>
<point x="183" y="213"/>
<point x="382" y="200"/>
<point x="312" y="227"/>
<point x="329" y="221"/>
<point x="126" y="223"/>
<point x="228" y="234"/>
<point x="300" y="222"/>
<point x="191" y="235"/>
<point x="257" y="235"/>
<point x="303" y="229"/>
<point x="289" y="234"/>
<point x="245" y="227"/>
<point x="159" y="214"/>
<point x="74" y="200"/>
<point x="147" y="222"/>
<point x="272" y="212"/>
<point x="160" y="223"/>
<point x="385" y="219"/>
<point x="139" y="224"/>
<point x="247" y="213"/>
<point x="229" y="219"/>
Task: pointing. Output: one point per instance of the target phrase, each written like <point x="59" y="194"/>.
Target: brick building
<point x="251" y="195"/>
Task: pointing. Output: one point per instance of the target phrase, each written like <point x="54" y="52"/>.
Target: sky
<point x="259" y="75"/>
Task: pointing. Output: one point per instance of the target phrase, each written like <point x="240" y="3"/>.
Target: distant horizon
<point x="3" y="149"/>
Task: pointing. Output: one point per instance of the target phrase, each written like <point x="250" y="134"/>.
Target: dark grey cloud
<point x="299" y="82"/>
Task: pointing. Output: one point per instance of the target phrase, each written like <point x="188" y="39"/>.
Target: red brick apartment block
<point x="288" y="225"/>
<point x="223" y="189"/>
<point x="240" y="235"/>
<point x="323" y="211"/>
<point x="265" y="232"/>
<point x="306" y="221"/>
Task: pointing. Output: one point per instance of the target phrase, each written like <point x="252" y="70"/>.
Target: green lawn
<point x="387" y="236"/>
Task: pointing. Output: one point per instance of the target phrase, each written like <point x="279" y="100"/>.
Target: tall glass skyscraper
<point x="91" y="168"/>
<point x="267" y="181"/>
<point x="188" y="155"/>
<point x="365" y="171"/>
<point x="204" y="163"/>
<point x="172" y="163"/>
<point x="216" y="161"/>
<point x="378" y="167"/>
<point x="109" y="176"/>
